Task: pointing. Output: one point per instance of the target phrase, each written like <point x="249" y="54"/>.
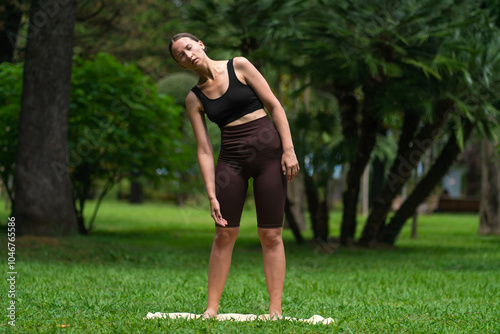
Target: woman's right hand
<point x="215" y="211"/>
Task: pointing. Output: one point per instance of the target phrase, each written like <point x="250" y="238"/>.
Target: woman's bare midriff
<point x="248" y="118"/>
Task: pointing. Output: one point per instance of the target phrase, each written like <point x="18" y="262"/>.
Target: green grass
<point x="154" y="258"/>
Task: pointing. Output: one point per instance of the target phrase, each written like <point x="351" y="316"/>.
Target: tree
<point x="43" y="203"/>
<point x="489" y="215"/>
<point x="470" y="79"/>
<point x="408" y="61"/>
<point x="10" y="21"/>
<point x="119" y="127"/>
<point x="366" y="53"/>
<point x="443" y="162"/>
<point x="412" y="147"/>
<point x="367" y="139"/>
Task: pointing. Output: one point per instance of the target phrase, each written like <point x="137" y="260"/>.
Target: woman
<point x="233" y="94"/>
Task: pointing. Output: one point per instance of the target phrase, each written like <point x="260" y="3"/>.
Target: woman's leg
<point x="274" y="267"/>
<point x="218" y="268"/>
<point x="270" y="196"/>
<point x="231" y="189"/>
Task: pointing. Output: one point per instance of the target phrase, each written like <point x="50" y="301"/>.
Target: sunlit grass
<point x="154" y="258"/>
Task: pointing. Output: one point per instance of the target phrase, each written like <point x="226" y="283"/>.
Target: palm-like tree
<point x="398" y="57"/>
<point x="477" y="50"/>
<point x="381" y="48"/>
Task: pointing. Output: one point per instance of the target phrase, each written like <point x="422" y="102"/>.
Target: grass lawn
<point x="154" y="258"/>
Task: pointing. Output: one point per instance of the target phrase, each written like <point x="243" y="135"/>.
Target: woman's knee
<point x="270" y="237"/>
<point x="225" y="236"/>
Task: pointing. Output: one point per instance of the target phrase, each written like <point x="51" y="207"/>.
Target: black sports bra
<point x="237" y="101"/>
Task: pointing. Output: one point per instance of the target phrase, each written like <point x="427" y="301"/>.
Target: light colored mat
<point x="315" y="319"/>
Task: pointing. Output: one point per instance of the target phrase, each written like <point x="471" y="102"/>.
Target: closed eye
<point x="180" y="54"/>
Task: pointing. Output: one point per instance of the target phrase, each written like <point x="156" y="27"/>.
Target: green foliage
<point x="119" y="126"/>
<point x="117" y="114"/>
<point x="11" y="76"/>
<point x="233" y="25"/>
<point x="132" y="31"/>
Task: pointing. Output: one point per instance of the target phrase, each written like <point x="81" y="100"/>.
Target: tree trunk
<point x="43" y="202"/>
<point x="136" y="193"/>
<point x="489" y="219"/>
<point x="365" y="145"/>
<point x="296" y="194"/>
<point x="380" y="204"/>
<point x="318" y="210"/>
<point x="414" y="222"/>
<point x="11" y="18"/>
<point x="348" y="105"/>
<point x="409" y="154"/>
<point x="81" y="184"/>
<point x="365" y="190"/>
<point x="377" y="175"/>
<point x="292" y="222"/>
<point x="438" y="170"/>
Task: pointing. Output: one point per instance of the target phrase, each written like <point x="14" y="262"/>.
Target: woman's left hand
<point x="289" y="165"/>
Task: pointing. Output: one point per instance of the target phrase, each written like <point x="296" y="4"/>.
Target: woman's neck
<point x="210" y="69"/>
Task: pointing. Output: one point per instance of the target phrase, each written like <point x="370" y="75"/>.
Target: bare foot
<point x="209" y="314"/>
<point x="275" y="315"/>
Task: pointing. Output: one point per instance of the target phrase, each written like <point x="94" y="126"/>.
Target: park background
<point x="390" y="104"/>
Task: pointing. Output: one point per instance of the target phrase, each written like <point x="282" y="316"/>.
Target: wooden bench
<point x="458" y="205"/>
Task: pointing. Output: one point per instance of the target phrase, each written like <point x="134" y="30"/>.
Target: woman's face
<point x="188" y="53"/>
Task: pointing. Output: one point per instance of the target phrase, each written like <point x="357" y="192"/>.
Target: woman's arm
<point x="251" y="76"/>
<point x="205" y="154"/>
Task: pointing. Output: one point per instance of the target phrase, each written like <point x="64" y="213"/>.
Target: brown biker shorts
<point x="251" y="150"/>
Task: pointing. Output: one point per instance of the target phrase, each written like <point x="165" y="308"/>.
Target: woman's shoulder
<point x="241" y="62"/>
<point x="192" y="100"/>
<point x="244" y="67"/>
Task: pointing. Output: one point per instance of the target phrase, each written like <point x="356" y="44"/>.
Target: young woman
<point x="233" y="94"/>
